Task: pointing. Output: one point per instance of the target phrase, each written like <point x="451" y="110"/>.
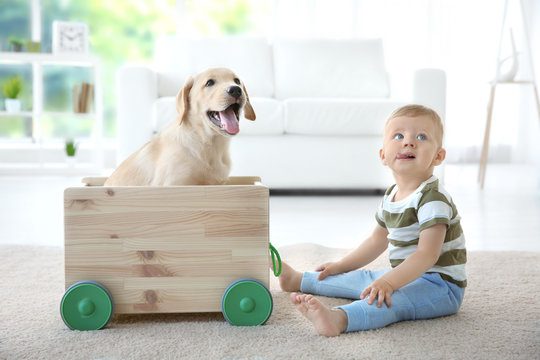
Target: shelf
<point x="41" y="155"/>
<point x="59" y="168"/>
<point x="13" y="114"/>
<point x="48" y="58"/>
<point x="515" y="82"/>
<point x="56" y="144"/>
<point x="66" y="113"/>
<point x="51" y="113"/>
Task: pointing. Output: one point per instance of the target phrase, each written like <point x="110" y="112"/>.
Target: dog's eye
<point x="237" y="81"/>
<point x="210" y="83"/>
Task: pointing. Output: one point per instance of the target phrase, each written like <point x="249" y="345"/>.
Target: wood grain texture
<point x="166" y="249"/>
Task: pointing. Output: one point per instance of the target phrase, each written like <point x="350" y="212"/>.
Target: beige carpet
<point x="500" y="319"/>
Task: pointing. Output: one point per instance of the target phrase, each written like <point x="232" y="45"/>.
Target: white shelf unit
<point x="38" y="61"/>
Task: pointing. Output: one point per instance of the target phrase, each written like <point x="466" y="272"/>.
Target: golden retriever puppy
<point x="194" y="149"/>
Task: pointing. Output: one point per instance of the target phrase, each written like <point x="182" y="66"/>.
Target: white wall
<point x="459" y="36"/>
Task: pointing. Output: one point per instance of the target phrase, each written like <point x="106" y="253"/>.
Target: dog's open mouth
<point x="226" y="120"/>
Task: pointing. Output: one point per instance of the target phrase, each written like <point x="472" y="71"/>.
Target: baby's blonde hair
<point x="414" y="110"/>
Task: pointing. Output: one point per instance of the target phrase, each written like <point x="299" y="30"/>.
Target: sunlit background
<point x="460" y="37"/>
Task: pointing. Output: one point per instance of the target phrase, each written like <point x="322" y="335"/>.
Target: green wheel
<point x="86" y="305"/>
<point x="246" y="302"/>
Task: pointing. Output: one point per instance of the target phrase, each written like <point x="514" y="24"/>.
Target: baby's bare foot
<point x="290" y="279"/>
<point x="327" y="322"/>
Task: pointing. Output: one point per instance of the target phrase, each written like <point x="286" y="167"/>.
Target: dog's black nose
<point x="234" y="91"/>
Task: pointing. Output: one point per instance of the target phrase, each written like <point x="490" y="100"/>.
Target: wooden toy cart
<point x="166" y="250"/>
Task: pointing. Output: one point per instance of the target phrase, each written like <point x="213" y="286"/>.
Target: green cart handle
<point x="274" y="254"/>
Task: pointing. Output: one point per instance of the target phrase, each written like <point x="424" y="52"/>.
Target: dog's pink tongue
<point x="228" y="120"/>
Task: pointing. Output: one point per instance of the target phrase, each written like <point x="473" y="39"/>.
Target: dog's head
<point x="214" y="100"/>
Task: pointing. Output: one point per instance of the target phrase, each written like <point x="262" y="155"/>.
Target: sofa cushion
<point x="311" y="162"/>
<point x="330" y="68"/>
<point x="250" y="58"/>
<point x="270" y="118"/>
<point x="337" y="116"/>
<point x="269" y="113"/>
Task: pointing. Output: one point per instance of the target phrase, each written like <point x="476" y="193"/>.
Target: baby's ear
<point x="439" y="158"/>
<point x="382" y="157"/>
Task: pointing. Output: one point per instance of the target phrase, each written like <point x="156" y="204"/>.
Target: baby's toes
<point x="294" y="298"/>
<point x="313" y="303"/>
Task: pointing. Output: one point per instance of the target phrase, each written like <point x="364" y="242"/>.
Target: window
<point x="57" y="122"/>
<point x="233" y="17"/>
<point x="119" y="32"/>
<point x="14" y="22"/>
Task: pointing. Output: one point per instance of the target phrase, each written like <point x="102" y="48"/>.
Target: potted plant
<point x="71" y="151"/>
<point x="71" y="148"/>
<point x="12" y="88"/>
<point x="33" y="46"/>
<point x="15" y="43"/>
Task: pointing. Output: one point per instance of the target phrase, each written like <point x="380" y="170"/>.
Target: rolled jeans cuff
<point x="309" y="283"/>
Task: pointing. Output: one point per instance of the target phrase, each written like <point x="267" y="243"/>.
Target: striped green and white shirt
<point x="428" y="205"/>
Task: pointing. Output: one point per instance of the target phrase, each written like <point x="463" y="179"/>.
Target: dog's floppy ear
<point x="248" y="110"/>
<point x="182" y="101"/>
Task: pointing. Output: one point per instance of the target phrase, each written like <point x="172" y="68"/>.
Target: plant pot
<point x="13" y="105"/>
<point x="71" y="161"/>
<point x="16" y="47"/>
<point x="33" y="46"/>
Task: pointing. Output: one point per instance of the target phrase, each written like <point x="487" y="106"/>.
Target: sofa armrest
<point x="429" y="89"/>
<point x="136" y="91"/>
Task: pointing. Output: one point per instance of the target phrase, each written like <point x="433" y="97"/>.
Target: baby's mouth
<point x="405" y="156"/>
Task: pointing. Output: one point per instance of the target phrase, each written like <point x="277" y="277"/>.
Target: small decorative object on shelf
<point x="11" y="88"/>
<point x="71" y="148"/>
<point x="15" y="44"/>
<point x="33" y="46"/>
<point x="510" y="71"/>
<point x="70" y="37"/>
<point x="83" y="96"/>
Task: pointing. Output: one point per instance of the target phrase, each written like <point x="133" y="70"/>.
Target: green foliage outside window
<point x="214" y="17"/>
<point x="14" y="22"/>
<point x="120" y="32"/>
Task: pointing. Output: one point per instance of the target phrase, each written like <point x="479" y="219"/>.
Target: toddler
<point x="419" y="224"/>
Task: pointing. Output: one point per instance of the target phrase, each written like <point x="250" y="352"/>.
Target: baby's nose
<point x="409" y="143"/>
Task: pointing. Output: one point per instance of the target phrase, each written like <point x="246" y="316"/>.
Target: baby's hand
<point x="381" y="290"/>
<point x="327" y="269"/>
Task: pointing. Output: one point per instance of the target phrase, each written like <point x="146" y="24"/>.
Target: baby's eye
<point x="421" y="137"/>
<point x="398" y="136"/>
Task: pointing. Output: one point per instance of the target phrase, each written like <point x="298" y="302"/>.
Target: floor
<point x="31" y="210"/>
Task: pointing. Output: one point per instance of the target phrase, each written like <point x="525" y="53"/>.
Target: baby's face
<point x="412" y="146"/>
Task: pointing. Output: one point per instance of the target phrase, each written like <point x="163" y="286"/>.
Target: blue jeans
<point x="427" y="297"/>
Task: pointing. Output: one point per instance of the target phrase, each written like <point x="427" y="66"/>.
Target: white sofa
<point x="320" y="105"/>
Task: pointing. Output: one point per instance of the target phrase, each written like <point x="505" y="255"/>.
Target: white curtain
<point x="459" y="36"/>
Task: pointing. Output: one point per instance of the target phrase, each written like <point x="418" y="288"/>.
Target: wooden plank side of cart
<point x="167" y="249"/>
